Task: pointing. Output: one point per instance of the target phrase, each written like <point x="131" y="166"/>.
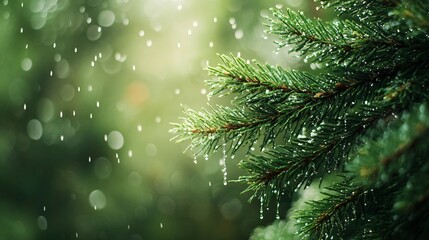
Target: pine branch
<point x="344" y="43"/>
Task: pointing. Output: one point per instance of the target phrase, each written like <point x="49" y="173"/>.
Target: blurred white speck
<point x="179" y="7"/>
<point x="195" y="23"/>
<point x="149" y="43"/>
<point x="97" y="199"/>
<point x="141" y="33"/>
<point x="62" y="138"/>
<point x="189" y="32"/>
<point x="105" y="137"/>
<point x="203" y="91"/>
<point x="26" y="64"/>
<point x="106" y="18"/>
<point x="75" y="50"/>
<point x="161" y="225"/>
<point x="211" y="44"/>
<point x="98" y="104"/>
<point x="34" y="129"/>
<point x="158" y="119"/>
<point x="115" y="140"/>
<point x="239" y="34"/>
<point x="25" y="106"/>
<point x="42" y="223"/>
<point x="178" y="45"/>
<point x="89" y="159"/>
<point x="92" y="63"/>
<point x="54" y="45"/>
<point x="130" y="153"/>
<point x="90" y="88"/>
<point x="139" y="128"/>
<point x="90" y="115"/>
<point x="177" y="91"/>
<point x="61" y="114"/>
<point x="134" y="67"/>
<point x="74" y="112"/>
<point x="215" y="19"/>
<point x="22" y="30"/>
<point x="232" y="21"/>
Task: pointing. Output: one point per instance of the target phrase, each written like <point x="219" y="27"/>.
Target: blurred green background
<point x="88" y="89"/>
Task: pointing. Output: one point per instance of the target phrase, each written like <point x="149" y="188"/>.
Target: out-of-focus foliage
<point x="87" y="91"/>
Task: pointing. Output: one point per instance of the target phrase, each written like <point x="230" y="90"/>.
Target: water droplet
<point x="97" y="199"/>
<point x="98" y="104"/>
<point x="130" y="153"/>
<point x="75" y="49"/>
<point x="215" y="19"/>
<point x="34" y="129"/>
<point x="211" y="44"/>
<point x="189" y="32"/>
<point x="210" y="183"/>
<point x="161" y="225"/>
<point x="139" y="128"/>
<point x="26" y="64"/>
<point x="25" y="106"/>
<point x="62" y="138"/>
<point x="90" y="115"/>
<point x="89" y="159"/>
<point x="141" y="33"/>
<point x="106" y="18"/>
<point x="115" y="140"/>
<point x="239" y="34"/>
<point x="149" y="43"/>
<point x="42" y="223"/>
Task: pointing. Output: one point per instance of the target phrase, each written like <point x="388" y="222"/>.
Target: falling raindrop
<point x="278" y="211"/>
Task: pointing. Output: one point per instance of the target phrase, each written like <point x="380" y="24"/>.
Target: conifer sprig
<point x="364" y="117"/>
